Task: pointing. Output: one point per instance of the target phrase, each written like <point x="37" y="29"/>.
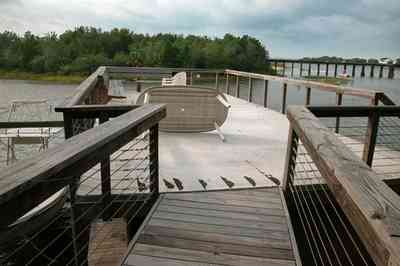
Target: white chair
<point x="180" y="79"/>
<point x="189" y="108"/>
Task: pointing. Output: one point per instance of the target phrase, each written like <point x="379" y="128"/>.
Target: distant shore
<point x="329" y="80"/>
<point x="48" y="77"/>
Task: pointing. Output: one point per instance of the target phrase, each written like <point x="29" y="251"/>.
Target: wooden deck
<point x="236" y="227"/>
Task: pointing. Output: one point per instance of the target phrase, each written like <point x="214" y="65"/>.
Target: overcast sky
<point x="288" y="28"/>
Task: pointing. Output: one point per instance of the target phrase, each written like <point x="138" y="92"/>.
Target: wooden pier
<point x="322" y="205"/>
<point x="312" y="68"/>
<point x="236" y="227"/>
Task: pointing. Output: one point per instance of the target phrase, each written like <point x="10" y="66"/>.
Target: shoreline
<point x="329" y="80"/>
<point x="47" y="77"/>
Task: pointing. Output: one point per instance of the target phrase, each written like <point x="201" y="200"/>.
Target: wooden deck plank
<point x="222" y="214"/>
<point x="235" y="249"/>
<point x="210" y="257"/>
<point x="135" y="260"/>
<point x="216" y="237"/>
<point x="226" y="201"/>
<point x="230" y="208"/>
<point x="218" y="196"/>
<point x="239" y="227"/>
<point x="223" y="229"/>
<point x="220" y="221"/>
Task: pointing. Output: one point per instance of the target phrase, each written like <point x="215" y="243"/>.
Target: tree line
<point x="83" y="49"/>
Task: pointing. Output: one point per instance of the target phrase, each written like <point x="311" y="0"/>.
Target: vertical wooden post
<point x="301" y="69"/>
<point x="292" y="69"/>
<point x="284" y="68"/>
<point x="381" y="72"/>
<point x="276" y="68"/>
<point x="318" y="69"/>
<point x="237" y="87"/>
<point x="345" y="68"/>
<point x="371" y="73"/>
<point x="353" y="71"/>
<point x="335" y="70"/>
<point x="191" y="78"/>
<point x="339" y="100"/>
<point x="265" y="93"/>
<point x="216" y="81"/>
<point x="68" y="126"/>
<point x="309" y="70"/>
<point x="363" y="71"/>
<point x="105" y="172"/>
<point x="153" y="138"/>
<point x="372" y="133"/>
<point x="250" y="98"/>
<point x="227" y="84"/>
<point x="391" y="72"/>
<point x="290" y="162"/>
<point x="284" y="98"/>
<point x="308" y="96"/>
<point x="327" y="70"/>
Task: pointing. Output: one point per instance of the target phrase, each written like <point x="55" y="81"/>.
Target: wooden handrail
<point x="31" y="124"/>
<point x="370" y="205"/>
<point x="27" y="183"/>
<point x="308" y="84"/>
<point x="354" y="111"/>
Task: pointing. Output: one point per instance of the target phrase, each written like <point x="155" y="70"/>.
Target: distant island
<point x="78" y="52"/>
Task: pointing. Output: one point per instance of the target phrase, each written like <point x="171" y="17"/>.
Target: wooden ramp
<point x="236" y="227"/>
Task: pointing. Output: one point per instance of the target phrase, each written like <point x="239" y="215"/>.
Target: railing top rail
<point x="157" y="70"/>
<point x="71" y="158"/>
<point x="311" y="84"/>
<point x="370" y="205"/>
<point x="85" y="87"/>
<point x="354" y="111"/>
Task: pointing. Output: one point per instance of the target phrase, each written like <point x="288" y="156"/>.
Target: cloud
<point x="291" y="28"/>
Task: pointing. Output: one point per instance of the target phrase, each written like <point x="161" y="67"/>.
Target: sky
<point x="287" y="28"/>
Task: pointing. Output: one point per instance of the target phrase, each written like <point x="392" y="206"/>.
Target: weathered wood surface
<point x="369" y="204"/>
<point x="239" y="227"/>
<point x="108" y="242"/>
<point x="312" y="84"/>
<point x="29" y="182"/>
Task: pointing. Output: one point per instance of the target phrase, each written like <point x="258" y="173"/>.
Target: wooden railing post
<point x="292" y="69"/>
<point x="353" y="71"/>
<point x="265" y="93"/>
<point x="237" y="87"/>
<point x="291" y="155"/>
<point x="284" y="97"/>
<point x="250" y="98"/>
<point x="372" y="133"/>
<point x="327" y="70"/>
<point x="105" y="172"/>
<point x="381" y="72"/>
<point x="153" y="138"/>
<point x="339" y="99"/>
<point x="318" y="69"/>
<point x="335" y="70"/>
<point x="216" y="81"/>
<point x="227" y="84"/>
<point x="308" y="96"/>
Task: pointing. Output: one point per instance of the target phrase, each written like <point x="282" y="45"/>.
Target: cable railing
<point x="107" y="172"/>
<point x="345" y="213"/>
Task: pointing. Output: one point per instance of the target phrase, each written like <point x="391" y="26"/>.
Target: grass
<point x="48" y="77"/>
<point x="329" y="80"/>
